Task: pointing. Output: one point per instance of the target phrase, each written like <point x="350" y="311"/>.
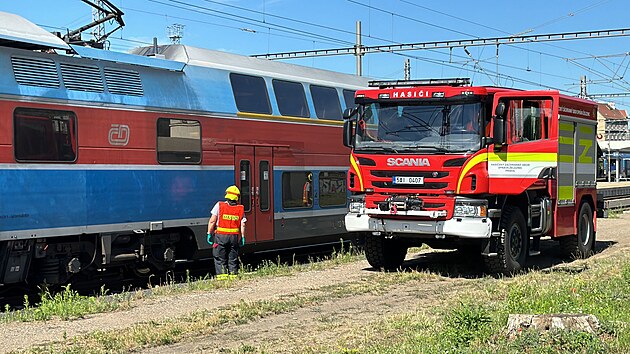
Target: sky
<point x="251" y="27"/>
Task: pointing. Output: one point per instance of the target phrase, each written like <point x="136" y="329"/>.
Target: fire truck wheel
<point x="582" y="244"/>
<point x="512" y="244"/>
<point x="383" y="253"/>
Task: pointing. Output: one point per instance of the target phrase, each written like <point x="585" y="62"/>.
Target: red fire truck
<point x="484" y="169"/>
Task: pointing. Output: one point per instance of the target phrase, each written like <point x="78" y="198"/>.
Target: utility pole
<point x="358" y="50"/>
<point x="407" y="69"/>
<point x="98" y="32"/>
<point x="583" y="86"/>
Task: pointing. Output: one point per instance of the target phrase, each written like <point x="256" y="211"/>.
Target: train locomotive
<point x="111" y="161"/>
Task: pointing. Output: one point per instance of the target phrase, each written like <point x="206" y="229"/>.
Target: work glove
<point x="243" y="241"/>
<point x="210" y="241"/>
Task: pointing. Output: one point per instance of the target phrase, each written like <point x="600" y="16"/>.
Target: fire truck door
<point x="253" y="167"/>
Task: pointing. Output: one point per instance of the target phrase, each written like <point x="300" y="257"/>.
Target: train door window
<point x="332" y="188"/>
<point x="326" y="102"/>
<point x="250" y="93"/>
<point x="348" y="97"/>
<point x="529" y="119"/>
<point x="297" y="189"/>
<point x="178" y="141"/>
<point x="245" y="179"/>
<point x="263" y="179"/>
<point x="291" y="98"/>
<point x="44" y="135"/>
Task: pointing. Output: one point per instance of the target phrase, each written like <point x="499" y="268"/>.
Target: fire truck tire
<point x="512" y="244"/>
<point x="582" y="244"/>
<point x="382" y="253"/>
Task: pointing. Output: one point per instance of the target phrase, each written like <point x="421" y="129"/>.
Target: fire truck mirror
<point x="349" y="113"/>
<point x="498" y="131"/>
<point x="348" y="129"/>
<point x="500" y="110"/>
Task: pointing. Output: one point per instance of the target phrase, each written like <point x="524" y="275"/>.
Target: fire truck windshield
<point x="432" y="127"/>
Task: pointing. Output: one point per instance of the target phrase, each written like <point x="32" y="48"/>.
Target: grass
<point x="469" y="318"/>
<point x="475" y="323"/>
<point x="69" y="304"/>
<point x="66" y="305"/>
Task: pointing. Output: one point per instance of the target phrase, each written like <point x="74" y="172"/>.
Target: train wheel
<point x="512" y="244"/>
<point x="383" y="253"/>
<point x="582" y="244"/>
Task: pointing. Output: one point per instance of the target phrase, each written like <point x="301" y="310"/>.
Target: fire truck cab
<point x="485" y="169"/>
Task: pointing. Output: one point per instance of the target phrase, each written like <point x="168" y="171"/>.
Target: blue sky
<point x="270" y="26"/>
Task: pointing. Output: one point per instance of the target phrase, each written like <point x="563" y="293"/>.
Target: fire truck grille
<point x="433" y="205"/>
<point x="426" y="185"/>
<point x="425" y="174"/>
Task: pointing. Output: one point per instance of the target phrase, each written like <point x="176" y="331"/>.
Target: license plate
<point x="408" y="180"/>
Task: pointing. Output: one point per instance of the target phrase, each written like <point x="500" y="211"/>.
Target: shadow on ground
<point x="468" y="265"/>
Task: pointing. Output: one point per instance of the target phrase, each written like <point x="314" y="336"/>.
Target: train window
<point x="245" y="178"/>
<point x="291" y="98"/>
<point x="263" y="181"/>
<point x="332" y="188"/>
<point x="44" y="135"/>
<point x="326" y="102"/>
<point x="348" y="97"/>
<point x="178" y="141"/>
<point x="250" y="93"/>
<point x="297" y="189"/>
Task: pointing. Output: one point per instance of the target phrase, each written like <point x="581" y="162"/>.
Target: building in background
<point x="613" y="137"/>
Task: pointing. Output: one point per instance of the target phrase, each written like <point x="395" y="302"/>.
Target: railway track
<point x="612" y="197"/>
<point x="13" y="297"/>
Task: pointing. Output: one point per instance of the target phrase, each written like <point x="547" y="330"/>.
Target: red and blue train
<point x="112" y="161"/>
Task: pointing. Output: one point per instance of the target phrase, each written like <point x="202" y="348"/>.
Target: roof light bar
<point x="459" y="81"/>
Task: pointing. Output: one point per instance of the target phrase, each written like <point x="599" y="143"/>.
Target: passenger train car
<point x="114" y="160"/>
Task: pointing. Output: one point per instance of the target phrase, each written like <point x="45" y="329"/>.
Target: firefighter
<point x="307" y="193"/>
<point x="226" y="233"/>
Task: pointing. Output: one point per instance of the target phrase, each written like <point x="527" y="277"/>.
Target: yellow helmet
<point x="232" y="193"/>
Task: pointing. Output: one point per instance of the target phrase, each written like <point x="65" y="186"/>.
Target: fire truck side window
<point x="529" y="119"/>
<point x="44" y="135"/>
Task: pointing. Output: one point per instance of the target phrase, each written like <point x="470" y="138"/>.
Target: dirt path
<point x="323" y="322"/>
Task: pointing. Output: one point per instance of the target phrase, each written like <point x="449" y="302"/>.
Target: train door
<point x="254" y="166"/>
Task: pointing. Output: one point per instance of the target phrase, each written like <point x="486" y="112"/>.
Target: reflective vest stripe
<point x="227" y="230"/>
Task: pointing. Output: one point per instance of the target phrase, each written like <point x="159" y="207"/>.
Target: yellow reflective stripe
<point x="226" y="229"/>
<point x="588" y="144"/>
<point x="523" y="156"/>
<point x="355" y="166"/>
<point x="468" y="166"/>
<point x="586" y="130"/>
<point x="564" y="140"/>
<point x="567" y="127"/>
<point x="565" y="192"/>
<point x="565" y="158"/>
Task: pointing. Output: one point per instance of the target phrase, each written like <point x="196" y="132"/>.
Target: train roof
<point x="18" y="32"/>
<point x="243" y="64"/>
<point x="179" y="78"/>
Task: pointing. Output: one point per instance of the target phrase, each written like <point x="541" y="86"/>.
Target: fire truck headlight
<point x="355" y="207"/>
<point x="469" y="210"/>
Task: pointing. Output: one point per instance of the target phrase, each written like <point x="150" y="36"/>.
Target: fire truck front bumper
<point x="461" y="227"/>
